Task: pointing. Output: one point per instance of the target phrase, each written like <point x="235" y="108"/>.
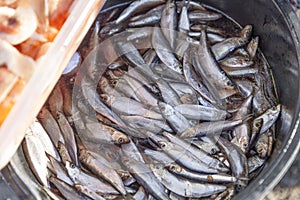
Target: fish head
<point x="119" y="138"/>
<point x="73" y="171"/>
<point x="173" y="167"/>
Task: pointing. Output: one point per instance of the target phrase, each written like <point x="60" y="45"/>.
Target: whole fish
<point x="138" y="6"/>
<point x="69" y="137"/>
<point x="199" y="112"/>
<point x="185" y="158"/>
<point x="164" y="50"/>
<point x="95" y="186"/>
<point x="142" y="173"/>
<point x="101" y="167"/>
<point x="198" y="153"/>
<point x="152" y="17"/>
<point x="215" y="79"/>
<point x="185" y="187"/>
<point x="208" y="128"/>
<point x="127" y="106"/>
<point x="169" y="22"/>
<point x="222" y="49"/>
<point x="176" y="120"/>
<point x="204" y="15"/>
<point x="51" y="126"/>
<point x="210" y="178"/>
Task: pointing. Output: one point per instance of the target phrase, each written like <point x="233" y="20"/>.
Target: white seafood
<point x="17" y="25"/>
<point x="19" y="64"/>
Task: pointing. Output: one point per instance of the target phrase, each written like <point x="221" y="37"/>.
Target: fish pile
<point x="27" y="29"/>
<point x="172" y="101"/>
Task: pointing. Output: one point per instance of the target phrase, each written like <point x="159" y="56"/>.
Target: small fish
<point x="220" y="50"/>
<point x="237" y="62"/>
<point x="140" y="122"/>
<point x="176" y="120"/>
<point x="210" y="178"/>
<point x="36" y="158"/>
<point x="67" y="96"/>
<point x="242" y="133"/>
<point x="158" y="156"/>
<point x="55" y="101"/>
<point x="152" y="17"/>
<point x="59" y="171"/>
<point x="136" y="7"/>
<point x="131" y="150"/>
<point x="199" y="112"/>
<point x="142" y="173"/>
<point x="169" y="22"/>
<point x="240" y="71"/>
<point x="127" y="106"/>
<point x="69" y="137"/>
<point x="215" y="79"/>
<point x="253" y="47"/>
<point x="92" y="183"/>
<point x="208" y="128"/>
<point x="102" y="168"/>
<point x="94" y="99"/>
<point x="51" y="126"/>
<point x="255" y="162"/>
<point x="164" y="51"/>
<point x="185" y="157"/>
<point x="184" y="187"/>
<point x="184" y="22"/>
<point x="167" y="92"/>
<point x="66" y="190"/>
<point x="237" y="160"/>
<point x="269" y="118"/>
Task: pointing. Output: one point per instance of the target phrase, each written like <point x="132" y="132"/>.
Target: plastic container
<point x="278" y="27"/>
<point x="47" y="73"/>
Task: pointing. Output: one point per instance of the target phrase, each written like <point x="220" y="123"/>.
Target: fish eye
<point x="72" y="166"/>
<point x="162" y="145"/>
<point x="221" y="165"/>
<point x="120" y="140"/>
<point x="213" y="151"/>
<point x="245" y="145"/>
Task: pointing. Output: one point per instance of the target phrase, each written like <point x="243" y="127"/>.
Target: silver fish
<point x="185" y="157"/>
<point x="164" y="51"/>
<point x="199" y="112"/>
<point x="269" y="118"/>
<point x="237" y="160"/>
<point x="66" y="190"/>
<point x="140" y="122"/>
<point x="169" y="22"/>
<point x="184" y="23"/>
<point x="208" y="128"/>
<point x="158" y="156"/>
<point x="138" y="6"/>
<point x="152" y="17"/>
<point x="36" y="158"/>
<point x="242" y="133"/>
<point x="198" y="153"/>
<point x="184" y="187"/>
<point x="51" y="126"/>
<point x="220" y="50"/>
<point x="102" y="168"/>
<point x="168" y="94"/>
<point x="142" y="173"/>
<point x="237" y="61"/>
<point x="92" y="183"/>
<point x="127" y="106"/>
<point x="255" y="162"/>
<point x="176" y="120"/>
<point x="215" y="79"/>
<point x="69" y="137"/>
<point x="204" y="15"/>
<point x="210" y="178"/>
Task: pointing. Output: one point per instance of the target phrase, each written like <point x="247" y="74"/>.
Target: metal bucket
<point x="279" y="30"/>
